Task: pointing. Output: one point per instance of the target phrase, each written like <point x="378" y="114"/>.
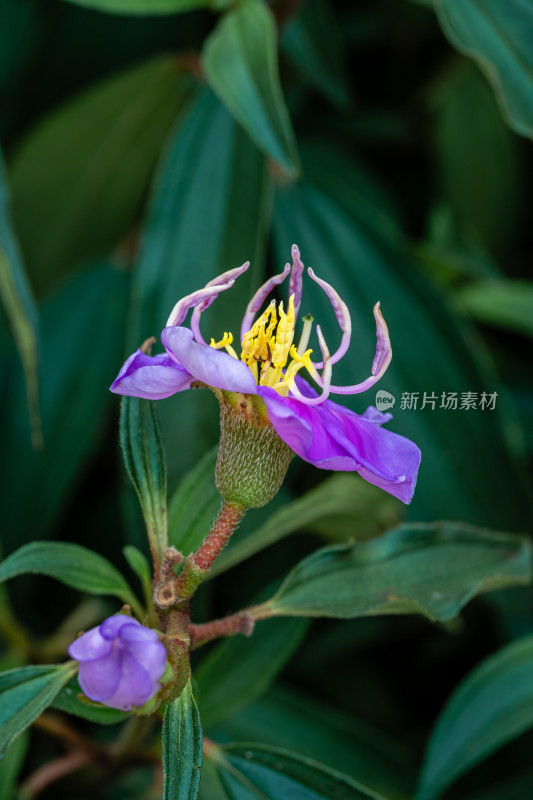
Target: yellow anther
<point x="227" y="339"/>
<point x="284" y="334"/>
<point x="255" y="343"/>
<point x="225" y="343"/>
<point x="267" y="346"/>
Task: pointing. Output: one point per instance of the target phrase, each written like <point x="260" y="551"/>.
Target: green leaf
<point x="76" y="193"/>
<point x="434" y="570"/>
<point x="250" y="771"/>
<point x="496" y="34"/>
<point x="11" y="764"/>
<point x="194" y="505"/>
<point x="311" y="40"/>
<point x="240" y="61"/>
<point x="68" y="701"/>
<point x="182" y="748"/>
<point x="505" y="304"/>
<point x="82" y="346"/>
<point x="25" y="692"/>
<point x="141" y="7"/>
<point x="20" y="309"/>
<point x="211" y="178"/>
<point x="342" y="500"/>
<point x="466" y="455"/>
<point x="144" y="455"/>
<point x="240" y="669"/>
<point x="492" y="706"/>
<point x="139" y="564"/>
<point x="71" y="564"/>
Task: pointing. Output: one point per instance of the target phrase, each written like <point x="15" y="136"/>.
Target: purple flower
<point x="121" y="662"/>
<point x="313" y="426"/>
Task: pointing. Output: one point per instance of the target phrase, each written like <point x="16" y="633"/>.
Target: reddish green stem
<point x="241" y="622"/>
<point x="197" y="565"/>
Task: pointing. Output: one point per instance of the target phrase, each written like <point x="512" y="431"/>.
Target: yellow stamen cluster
<point x="268" y="345"/>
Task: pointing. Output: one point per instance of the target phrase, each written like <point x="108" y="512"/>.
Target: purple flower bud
<point x="121" y="662"/>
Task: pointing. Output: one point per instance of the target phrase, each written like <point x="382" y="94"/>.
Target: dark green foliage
<point x="149" y="146"/>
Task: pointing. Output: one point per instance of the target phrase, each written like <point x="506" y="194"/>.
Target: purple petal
<point x="90" y="646"/>
<point x="332" y="437"/>
<point x="377" y="417"/>
<point x="135" y="686"/>
<point x="99" y="679"/>
<point x="138" y="633"/>
<point x="112" y="626"/>
<point x="304" y="430"/>
<point x="152" y="656"/>
<point x="151" y="377"/>
<point x="385" y="459"/>
<point x="205" y="364"/>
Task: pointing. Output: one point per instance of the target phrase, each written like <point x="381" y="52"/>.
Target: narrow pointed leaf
<point x="251" y="771"/>
<point x="20" y="309"/>
<point x="492" y="706"/>
<point x="182" y="748"/>
<point x="25" y="693"/>
<point x="144" y="456"/>
<point x="240" y="61"/>
<point x="139" y="564"/>
<point x="433" y="570"/>
<point x="71" y="564"/>
<point x="497" y="34"/>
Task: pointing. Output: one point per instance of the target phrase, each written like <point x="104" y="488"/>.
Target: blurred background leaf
<point x="81" y="332"/>
<point x="415" y="191"/>
<point x="142" y="7"/>
<point x="80" y="175"/>
<point x="490" y="707"/>
<point x="497" y="34"/>
<point x="240" y="61"/>
<point x="504" y="304"/>
<point x="20" y="309"/>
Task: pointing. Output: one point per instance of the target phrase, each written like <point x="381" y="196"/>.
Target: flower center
<point x="268" y="349"/>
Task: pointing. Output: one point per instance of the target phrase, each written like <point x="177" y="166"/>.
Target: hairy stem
<point x="241" y="622"/>
<point x="197" y="566"/>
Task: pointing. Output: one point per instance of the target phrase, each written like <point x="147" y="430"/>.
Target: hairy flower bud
<point x="121" y="662"/>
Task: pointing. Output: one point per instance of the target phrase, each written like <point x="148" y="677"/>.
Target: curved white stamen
<point x="325" y="379"/>
<point x="180" y="310"/>
<point x="380" y="363"/>
<point x="306" y="333"/>
<point x="259" y="297"/>
<point x="341" y="313"/>
<point x="226" y="281"/>
<point x="295" y="281"/>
